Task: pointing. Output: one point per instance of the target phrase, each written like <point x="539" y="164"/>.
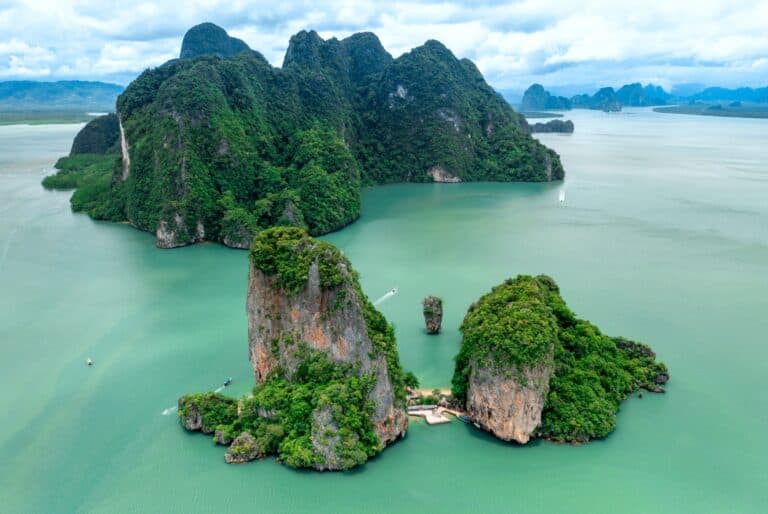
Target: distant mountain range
<point x="536" y="98"/>
<point x="66" y="95"/>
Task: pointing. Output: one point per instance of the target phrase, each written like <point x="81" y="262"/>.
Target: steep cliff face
<point x="508" y="402"/>
<point x="529" y="368"/>
<point x="317" y="305"/>
<point x="506" y="359"/>
<point x="330" y="392"/>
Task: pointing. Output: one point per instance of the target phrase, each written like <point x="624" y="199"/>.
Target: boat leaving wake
<point x="392" y="292"/>
<point x="171" y="410"/>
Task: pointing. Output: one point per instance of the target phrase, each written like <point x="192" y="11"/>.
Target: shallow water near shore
<point x="662" y="237"/>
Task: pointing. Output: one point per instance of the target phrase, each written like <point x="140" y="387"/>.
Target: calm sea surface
<point x="663" y="237"/>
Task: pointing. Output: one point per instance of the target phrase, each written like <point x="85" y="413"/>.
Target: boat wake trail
<point x="390" y="294"/>
<point x="7" y="245"/>
<point x="170" y="410"/>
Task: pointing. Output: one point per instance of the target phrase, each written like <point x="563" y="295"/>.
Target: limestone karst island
<point x="383" y="257"/>
<point x="218" y="145"/>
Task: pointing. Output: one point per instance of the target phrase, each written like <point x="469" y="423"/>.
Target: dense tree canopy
<point x="522" y="320"/>
<point x="224" y="144"/>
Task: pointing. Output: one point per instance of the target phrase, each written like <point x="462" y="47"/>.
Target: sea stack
<point x="433" y="313"/>
<point x="306" y="311"/>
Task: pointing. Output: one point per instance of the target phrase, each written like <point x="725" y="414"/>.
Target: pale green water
<point x="663" y="237"/>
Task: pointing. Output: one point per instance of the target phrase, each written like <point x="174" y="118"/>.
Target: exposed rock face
<point x="528" y="367"/>
<point x="324" y="313"/>
<point x="221" y="437"/>
<point x="125" y="150"/>
<point x="433" y="313"/>
<point x="439" y="174"/>
<point x="192" y="419"/>
<point x="565" y="127"/>
<point x="243" y="449"/>
<point x="175" y="233"/>
<point x="506" y="359"/>
<point x="241" y="238"/>
<point x="509" y="404"/>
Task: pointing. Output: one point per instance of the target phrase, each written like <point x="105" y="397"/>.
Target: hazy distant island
<point x="330" y="391"/>
<point x="727" y="110"/>
<point x="536" y="98"/>
<point x="713" y="101"/>
<point x="68" y="101"/>
<point x="558" y="126"/>
<point x="218" y="145"/>
<point x="541" y="114"/>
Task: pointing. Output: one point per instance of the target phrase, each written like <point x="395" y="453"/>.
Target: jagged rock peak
<point x="359" y="55"/>
<point x="210" y="39"/>
<point x="366" y="53"/>
<point x="304" y="49"/>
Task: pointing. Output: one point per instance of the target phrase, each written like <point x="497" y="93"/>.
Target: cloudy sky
<point x="564" y="44"/>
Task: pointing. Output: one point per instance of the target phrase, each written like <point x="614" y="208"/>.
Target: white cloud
<point x="556" y="42"/>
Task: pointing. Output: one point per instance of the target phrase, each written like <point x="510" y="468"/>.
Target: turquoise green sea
<point x="663" y="237"/>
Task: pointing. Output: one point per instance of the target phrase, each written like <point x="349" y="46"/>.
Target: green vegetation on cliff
<point x="311" y="410"/>
<point x="210" y="410"/>
<point x="286" y="415"/>
<point x="288" y="253"/>
<point x="91" y="176"/>
<point x="101" y="135"/>
<point x="289" y="410"/>
<point x="221" y="148"/>
<point x="523" y="319"/>
<point x="90" y="168"/>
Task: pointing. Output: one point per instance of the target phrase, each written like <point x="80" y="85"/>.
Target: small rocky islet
<point x="556" y="126"/>
<point x="432" y="307"/>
